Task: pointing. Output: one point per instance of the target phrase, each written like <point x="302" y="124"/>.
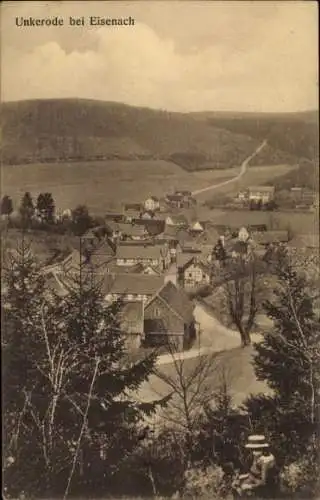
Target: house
<point x="196" y="227"/>
<point x="168" y="318"/>
<point x="305" y="243"/>
<point x="303" y="196"/>
<point x="114" y="216"/>
<point x="147" y="215"/>
<point x="131" y="319"/>
<point x="152" y="204"/>
<point x="132" y="232"/>
<point x="176" y="220"/>
<point x="113" y="229"/>
<point x="133" y="207"/>
<point x="195" y="273"/>
<point x="153" y="227"/>
<point x="266" y="238"/>
<point x="155" y="255"/>
<point x="94" y="235"/>
<point x="265" y="194"/>
<point x="208" y="237"/>
<point x="131" y="287"/>
<point x="175" y="200"/>
<point x="242" y="196"/>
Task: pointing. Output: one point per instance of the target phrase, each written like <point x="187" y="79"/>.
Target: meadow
<point x="105" y="184"/>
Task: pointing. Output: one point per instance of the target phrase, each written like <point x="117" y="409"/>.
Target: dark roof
<point x="177" y="299"/>
<point x="127" y="283"/>
<point x="115" y="216"/>
<point x="132" y="229"/>
<point x="209" y="236"/>
<point x="131" y="317"/>
<point x="174" y="197"/>
<point x="133" y="206"/>
<point x="305" y="241"/>
<point x="266" y="237"/>
<point x="112" y="226"/>
<point x="140" y="251"/>
<point x="240" y="247"/>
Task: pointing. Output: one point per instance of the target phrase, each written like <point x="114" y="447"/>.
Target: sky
<point x="179" y="56"/>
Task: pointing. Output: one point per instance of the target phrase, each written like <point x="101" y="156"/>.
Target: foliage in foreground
<point x="68" y="415"/>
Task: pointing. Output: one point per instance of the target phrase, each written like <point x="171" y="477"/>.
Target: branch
<point x="84" y="423"/>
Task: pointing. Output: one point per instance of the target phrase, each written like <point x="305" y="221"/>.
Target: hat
<point x="256" y="442"/>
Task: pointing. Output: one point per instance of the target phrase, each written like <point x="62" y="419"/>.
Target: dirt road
<point x="243" y="170"/>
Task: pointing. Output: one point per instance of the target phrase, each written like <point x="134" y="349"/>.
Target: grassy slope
<point x="49" y="130"/>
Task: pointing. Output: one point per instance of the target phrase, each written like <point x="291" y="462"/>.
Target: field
<point x="104" y="184"/>
<point x="299" y="222"/>
<point x="101" y="185"/>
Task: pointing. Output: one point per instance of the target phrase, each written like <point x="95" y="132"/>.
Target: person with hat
<point x="263" y="462"/>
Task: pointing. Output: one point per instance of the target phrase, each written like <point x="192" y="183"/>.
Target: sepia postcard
<point x="160" y="308"/>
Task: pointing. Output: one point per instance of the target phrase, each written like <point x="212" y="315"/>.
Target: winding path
<point x="243" y="170"/>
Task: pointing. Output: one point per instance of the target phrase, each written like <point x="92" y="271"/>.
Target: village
<point x="157" y="260"/>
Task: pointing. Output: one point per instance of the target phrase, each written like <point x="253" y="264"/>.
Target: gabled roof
<point x="209" y="236"/>
<point x="127" y="283"/>
<point x="140" y="251"/>
<point x="197" y="261"/>
<point x="131" y="317"/>
<point x="177" y="300"/>
<point x="178" y="219"/>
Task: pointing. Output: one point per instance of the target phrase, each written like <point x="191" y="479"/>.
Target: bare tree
<point x="188" y="380"/>
<point x="242" y="294"/>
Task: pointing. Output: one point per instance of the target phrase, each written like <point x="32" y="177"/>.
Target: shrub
<point x="208" y="482"/>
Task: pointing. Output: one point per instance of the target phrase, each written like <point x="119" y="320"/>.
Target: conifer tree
<point x="6" y="206"/>
<point x="26" y="209"/>
<point x="288" y="359"/>
<point x="45" y="207"/>
<point x="67" y="382"/>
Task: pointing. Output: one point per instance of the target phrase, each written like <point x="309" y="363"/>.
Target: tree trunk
<point x="245" y="338"/>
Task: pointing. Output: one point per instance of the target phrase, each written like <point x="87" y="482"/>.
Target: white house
<point x="152" y="204"/>
<point x="261" y="193"/>
<point x="197" y="227"/>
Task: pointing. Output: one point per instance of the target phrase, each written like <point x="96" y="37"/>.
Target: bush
<point x="208" y="482"/>
<point x="301" y="478"/>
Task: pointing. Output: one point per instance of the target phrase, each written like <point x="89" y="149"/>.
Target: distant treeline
<point x="296" y="134"/>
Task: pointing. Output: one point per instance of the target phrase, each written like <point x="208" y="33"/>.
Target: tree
<point x="68" y="412"/>
<point x="81" y="220"/>
<point x="188" y="383"/>
<point x="288" y="360"/>
<point x="46" y="207"/>
<point x="223" y="431"/>
<point x="6" y="206"/>
<point x="26" y="209"/>
<point x="219" y="252"/>
<point x="242" y="292"/>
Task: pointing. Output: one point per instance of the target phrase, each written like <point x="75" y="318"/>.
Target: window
<point x="157" y="312"/>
